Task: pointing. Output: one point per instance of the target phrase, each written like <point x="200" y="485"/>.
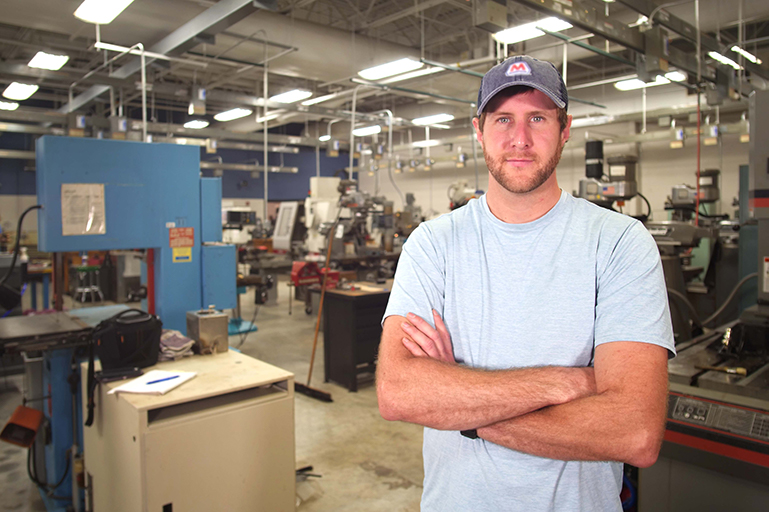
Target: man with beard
<point x="529" y="331"/>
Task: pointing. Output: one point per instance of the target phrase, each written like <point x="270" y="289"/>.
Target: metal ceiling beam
<point x="686" y="30"/>
<point x="25" y="72"/>
<point x="17" y="154"/>
<point x="246" y="167"/>
<point x="30" y="128"/>
<point x="33" y="116"/>
<point x="241" y="146"/>
<point x="179" y="131"/>
<point x="410" y="91"/>
<point x="402" y="14"/>
<point x="216" y="19"/>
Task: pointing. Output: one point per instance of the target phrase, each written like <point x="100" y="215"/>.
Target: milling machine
<point x="715" y="454"/>
<point x="364" y="224"/>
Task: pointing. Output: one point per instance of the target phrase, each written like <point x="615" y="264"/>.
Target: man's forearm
<point x="452" y="397"/>
<point x="596" y="428"/>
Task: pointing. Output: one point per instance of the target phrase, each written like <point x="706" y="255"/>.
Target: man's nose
<point x="520" y="136"/>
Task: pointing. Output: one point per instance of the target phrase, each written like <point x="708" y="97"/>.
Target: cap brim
<point x="547" y="92"/>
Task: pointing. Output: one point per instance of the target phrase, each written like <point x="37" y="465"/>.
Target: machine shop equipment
<point x="406" y="221"/>
<point x="362" y="227"/>
<point x="616" y="186"/>
<point x="460" y="192"/>
<point x="114" y="195"/>
<point x="700" y="256"/>
<point x="716" y="449"/>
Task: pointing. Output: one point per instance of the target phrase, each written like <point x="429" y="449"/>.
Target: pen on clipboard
<point x="162" y="380"/>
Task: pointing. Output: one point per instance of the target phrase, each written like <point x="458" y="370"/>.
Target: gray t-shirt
<point x="543" y="293"/>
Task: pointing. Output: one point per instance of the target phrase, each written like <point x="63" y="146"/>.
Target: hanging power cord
<point x="692" y="311"/>
<point x="18" y="243"/>
<point x="32" y="473"/>
<point x="23" y="289"/>
<point x="648" y="205"/>
<point x="730" y="298"/>
<point x="723" y="216"/>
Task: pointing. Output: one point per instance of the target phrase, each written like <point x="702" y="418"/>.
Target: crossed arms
<point x="614" y="411"/>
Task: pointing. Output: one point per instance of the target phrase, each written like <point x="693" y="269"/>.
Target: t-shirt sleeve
<point x="420" y="278"/>
<point x="631" y="297"/>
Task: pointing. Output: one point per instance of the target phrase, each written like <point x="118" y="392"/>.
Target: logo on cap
<point x="518" y="68"/>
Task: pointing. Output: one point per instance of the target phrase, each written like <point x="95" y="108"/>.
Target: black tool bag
<point x="130" y="339"/>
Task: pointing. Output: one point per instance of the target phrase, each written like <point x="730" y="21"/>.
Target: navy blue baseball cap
<point x="526" y="71"/>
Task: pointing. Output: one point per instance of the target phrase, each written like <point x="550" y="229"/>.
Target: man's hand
<point x="422" y="340"/>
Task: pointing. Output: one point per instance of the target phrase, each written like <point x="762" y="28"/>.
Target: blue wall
<point x="235" y="184"/>
<point x="282" y="187"/>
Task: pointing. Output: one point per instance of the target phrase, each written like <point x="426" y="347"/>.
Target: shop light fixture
<point x="230" y="115"/>
<point x="18" y="91"/>
<point x="413" y="74"/>
<point x="269" y="117"/>
<point x="367" y="130"/>
<point x="429" y="143"/>
<point x="291" y="96"/>
<point x="635" y="83"/>
<point x="324" y="138"/>
<point x="432" y="120"/>
<point x="8" y="105"/>
<point x="591" y="121"/>
<point x="196" y="124"/>
<point x="101" y="12"/>
<point x="395" y="67"/>
<point x="319" y="99"/>
<point x="43" y="60"/>
<point x="675" y="76"/>
<point x="724" y="60"/>
<point x="531" y="30"/>
<point x="752" y="58"/>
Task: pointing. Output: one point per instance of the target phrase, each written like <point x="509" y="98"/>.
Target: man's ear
<point x="478" y="133"/>
<point x="566" y="133"/>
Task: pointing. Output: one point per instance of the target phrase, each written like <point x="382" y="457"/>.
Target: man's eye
<point x="503" y="120"/>
<point x="537" y="119"/>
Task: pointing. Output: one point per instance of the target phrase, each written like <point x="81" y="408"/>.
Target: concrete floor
<point x="365" y="463"/>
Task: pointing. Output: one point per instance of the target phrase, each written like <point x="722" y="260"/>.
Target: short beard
<point x="540" y="176"/>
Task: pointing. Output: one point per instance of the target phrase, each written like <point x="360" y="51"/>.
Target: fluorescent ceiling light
<point x="426" y="143"/>
<point x="635" y="83"/>
<point x="50" y="61"/>
<point x="413" y="74"/>
<point x="642" y="20"/>
<point x="235" y="113"/>
<point x="389" y="69"/>
<point x="675" y="76"/>
<point x="8" y="105"/>
<point x="367" y="130"/>
<point x="291" y="96"/>
<point x="196" y="124"/>
<point x="531" y="30"/>
<point x="324" y="138"/>
<point x="724" y="60"/>
<point x="320" y="99"/>
<point x="269" y="117"/>
<point x="431" y="120"/>
<point x="591" y="121"/>
<point x="752" y="58"/>
<point x="18" y="91"/>
<point x="101" y="12"/>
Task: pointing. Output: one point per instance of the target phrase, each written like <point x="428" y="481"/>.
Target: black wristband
<point x="470" y="434"/>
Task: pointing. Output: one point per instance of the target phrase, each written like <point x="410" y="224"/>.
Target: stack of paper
<point x="156" y="382"/>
